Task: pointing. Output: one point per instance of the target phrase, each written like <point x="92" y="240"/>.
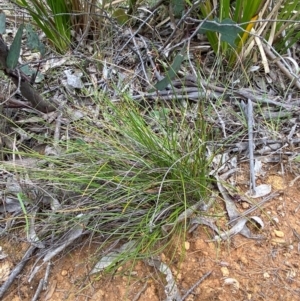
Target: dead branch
<point x="22" y="82"/>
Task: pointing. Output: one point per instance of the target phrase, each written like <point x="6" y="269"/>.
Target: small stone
<point x="245" y="205"/>
<point x="279" y="233"/>
<point x="225" y="271"/>
<point x="266" y="275"/>
<point x="244" y="260"/>
<point x="101" y="292"/>
<point x="64" y="272"/>
<point x="187" y="245"/>
<point x="278" y="241"/>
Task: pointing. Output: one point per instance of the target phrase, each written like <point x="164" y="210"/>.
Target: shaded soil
<point x="241" y="269"/>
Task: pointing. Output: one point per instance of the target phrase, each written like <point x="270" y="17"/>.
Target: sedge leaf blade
<point x="171" y="73"/>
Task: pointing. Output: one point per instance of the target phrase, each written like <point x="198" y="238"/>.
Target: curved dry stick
<point x="22" y="82"/>
<point x="16" y="271"/>
<point x="282" y="67"/>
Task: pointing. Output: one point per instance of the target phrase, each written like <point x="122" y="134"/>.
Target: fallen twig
<point x="195" y="285"/>
<point x="38" y="290"/>
<point x="23" y="83"/>
<point x="251" y="145"/>
<point x="293" y="78"/>
<point x="42" y="284"/>
<point x="183" y="19"/>
<point x="256" y="206"/>
<point x="140" y="57"/>
<point x="137" y="296"/>
<point x="16" y="271"/>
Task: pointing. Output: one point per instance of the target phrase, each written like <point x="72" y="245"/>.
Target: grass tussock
<point x="123" y="178"/>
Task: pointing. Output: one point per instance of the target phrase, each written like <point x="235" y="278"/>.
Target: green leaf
<point x="15" y="49"/>
<point x="2" y="23"/>
<point x="33" y="41"/>
<point x="171" y="73"/>
<point x="177" y="7"/>
<point x="297" y="159"/>
<point x="29" y="72"/>
<point x="120" y="15"/>
<point x="227" y="28"/>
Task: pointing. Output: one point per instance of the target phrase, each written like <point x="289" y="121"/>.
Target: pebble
<point x="278" y="241"/>
<point x="187" y="245"/>
<point x="245" y="205"/>
<point x="279" y="233"/>
<point x="266" y="275"/>
<point x="64" y="272"/>
<point x="280" y="207"/>
<point x="225" y="271"/>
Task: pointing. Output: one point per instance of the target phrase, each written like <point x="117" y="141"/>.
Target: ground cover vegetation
<point x="127" y="117"/>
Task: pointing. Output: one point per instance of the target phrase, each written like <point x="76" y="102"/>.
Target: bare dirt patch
<point x="241" y="269"/>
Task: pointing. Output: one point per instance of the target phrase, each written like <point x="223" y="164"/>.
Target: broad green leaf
<point x="177" y="7"/>
<point x="15" y="49"/>
<point x="29" y="72"/>
<point x="121" y="16"/>
<point x="171" y="73"/>
<point x="227" y="28"/>
<point x="2" y="23"/>
<point x="33" y="41"/>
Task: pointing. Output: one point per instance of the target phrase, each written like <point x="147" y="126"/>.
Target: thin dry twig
<point x="140" y="57"/>
<point x="137" y="296"/>
<point x="16" y="271"/>
<point x="138" y="30"/>
<point x="251" y="145"/>
<point x="195" y="285"/>
<point x="193" y="34"/>
<point x="42" y="284"/>
<point x="38" y="290"/>
<point x="293" y="78"/>
<point x="195" y="4"/>
<point x="253" y="208"/>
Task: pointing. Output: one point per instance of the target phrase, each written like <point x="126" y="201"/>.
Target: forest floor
<point x="240" y="268"/>
<point x="237" y="268"/>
